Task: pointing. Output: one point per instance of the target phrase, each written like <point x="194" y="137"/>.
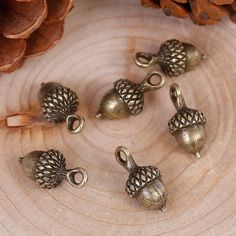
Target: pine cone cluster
<point x="29" y="27"/>
<point x="202" y="12"/>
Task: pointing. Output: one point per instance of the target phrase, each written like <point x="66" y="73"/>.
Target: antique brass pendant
<point x="48" y="169"/>
<point x="59" y="105"/>
<point x="174" y="57"/>
<point x="144" y="182"/>
<point x="127" y="98"/>
<point x="187" y="125"/>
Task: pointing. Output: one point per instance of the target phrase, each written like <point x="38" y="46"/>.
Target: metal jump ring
<point x="156" y="85"/>
<point x="70" y="121"/>
<point x="128" y="163"/>
<point x="70" y="175"/>
<point x="144" y="59"/>
<point x="176" y="96"/>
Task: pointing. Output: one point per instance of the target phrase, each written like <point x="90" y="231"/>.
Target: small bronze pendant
<point x="48" y="169"/>
<point x="59" y="105"/>
<point x="174" y="57"/>
<point x="187" y="125"/>
<point x="144" y="182"/>
<point x="127" y="98"/>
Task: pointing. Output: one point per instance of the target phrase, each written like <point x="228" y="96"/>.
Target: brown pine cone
<point x="29" y="27"/>
<point x="202" y="12"/>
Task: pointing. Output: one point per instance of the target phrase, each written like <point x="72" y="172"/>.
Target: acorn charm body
<point x="174" y="57"/>
<point x="48" y="169"/>
<point x="127" y="98"/>
<point x="187" y="125"/>
<point x="144" y="182"/>
<point x="59" y="105"/>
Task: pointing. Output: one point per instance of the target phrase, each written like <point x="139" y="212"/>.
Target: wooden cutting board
<point x="100" y="40"/>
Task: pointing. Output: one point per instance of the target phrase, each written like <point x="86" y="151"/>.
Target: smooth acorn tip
<point x="20" y="160"/>
<point x="203" y="56"/>
<point x="99" y="115"/>
<point x="197" y="155"/>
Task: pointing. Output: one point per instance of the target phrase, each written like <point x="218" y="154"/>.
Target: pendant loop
<point x="70" y="177"/>
<point x="144" y="59"/>
<point x="127" y="162"/>
<point x="148" y="85"/>
<point x="70" y="122"/>
<point x="176" y="96"/>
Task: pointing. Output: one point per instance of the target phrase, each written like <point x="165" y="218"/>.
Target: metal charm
<point x="48" y="169"/>
<point x="174" y="57"/>
<point x="144" y="182"/>
<point x="187" y="125"/>
<point x="59" y="105"/>
<point x="127" y="98"/>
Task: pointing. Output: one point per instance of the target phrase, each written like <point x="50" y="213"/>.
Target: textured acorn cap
<point x="59" y="103"/>
<point x="139" y="178"/>
<point x="131" y="95"/>
<point x="50" y="169"/>
<point x="172" y="57"/>
<point x="185" y="117"/>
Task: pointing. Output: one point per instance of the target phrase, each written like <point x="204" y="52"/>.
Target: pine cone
<point x="131" y="95"/>
<point x="59" y="103"/>
<point x="139" y="178"/>
<point x="29" y="27"/>
<point x="50" y="169"/>
<point x="202" y="12"/>
<point x="185" y="117"/>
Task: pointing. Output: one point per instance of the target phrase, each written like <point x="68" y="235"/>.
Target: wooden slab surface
<point x="100" y="40"/>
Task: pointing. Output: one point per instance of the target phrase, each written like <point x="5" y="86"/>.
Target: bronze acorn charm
<point x="144" y="182"/>
<point x="187" y="125"/>
<point x="48" y="169"/>
<point x="127" y="98"/>
<point x="59" y="104"/>
<point x="174" y="58"/>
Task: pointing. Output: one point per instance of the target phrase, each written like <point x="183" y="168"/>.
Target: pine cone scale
<point x="39" y="22"/>
<point x="24" y="18"/>
<point x="58" y="9"/>
<point x="9" y="57"/>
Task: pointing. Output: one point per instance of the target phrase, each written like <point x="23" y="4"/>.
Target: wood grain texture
<point x="100" y="40"/>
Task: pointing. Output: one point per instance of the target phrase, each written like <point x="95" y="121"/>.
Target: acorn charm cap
<point x="59" y="105"/>
<point x="144" y="182"/>
<point x="174" y="57"/>
<point x="48" y="169"/>
<point x="187" y="125"/>
<point x="127" y="98"/>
